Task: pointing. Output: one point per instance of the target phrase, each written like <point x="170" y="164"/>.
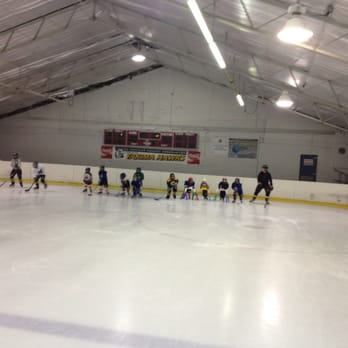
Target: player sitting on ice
<point x="38" y="175"/>
<point x="205" y="189"/>
<point x="237" y="190"/>
<point x="172" y="185"/>
<point x="136" y="186"/>
<point x="87" y="181"/>
<point x="189" y="189"/>
<point x="125" y="185"/>
<point x="103" y="180"/>
<point x="223" y="189"/>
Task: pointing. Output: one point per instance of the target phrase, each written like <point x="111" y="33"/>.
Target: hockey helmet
<point x="122" y="176"/>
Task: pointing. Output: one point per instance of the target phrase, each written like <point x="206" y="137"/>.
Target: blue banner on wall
<point x="242" y="148"/>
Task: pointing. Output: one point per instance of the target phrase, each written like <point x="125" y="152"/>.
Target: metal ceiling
<point x="51" y="49"/>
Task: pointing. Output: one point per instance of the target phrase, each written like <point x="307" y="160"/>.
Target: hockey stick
<point x="29" y="188"/>
<point x="3" y="183"/>
<point x="161" y="197"/>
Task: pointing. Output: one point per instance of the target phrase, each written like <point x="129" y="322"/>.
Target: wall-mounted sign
<point x="242" y="148"/>
<point x="146" y="154"/>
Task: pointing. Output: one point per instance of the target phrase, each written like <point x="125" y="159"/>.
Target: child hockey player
<point x="204" y="188"/>
<point x="16" y="169"/>
<point x="87" y="181"/>
<point x="189" y="189"/>
<point x="237" y="190"/>
<point x="264" y="181"/>
<point x="139" y="175"/>
<point x="136" y="186"/>
<point x="172" y="185"/>
<point x="125" y="185"/>
<point x="222" y="188"/>
<point x="103" y="180"/>
<point x="38" y="175"/>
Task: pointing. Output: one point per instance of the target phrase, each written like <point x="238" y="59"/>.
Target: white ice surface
<point x="102" y="271"/>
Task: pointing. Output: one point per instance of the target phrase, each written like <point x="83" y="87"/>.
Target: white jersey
<point x="16" y="163"/>
<point x="38" y="171"/>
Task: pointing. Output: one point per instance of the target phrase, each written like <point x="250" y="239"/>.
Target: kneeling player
<point x="223" y="189"/>
<point x="204" y="188"/>
<point x="189" y="189"/>
<point x="125" y="185"/>
<point x="172" y="185"/>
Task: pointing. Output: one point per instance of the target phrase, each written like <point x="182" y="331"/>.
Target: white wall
<point x="168" y="100"/>
<point x="285" y="189"/>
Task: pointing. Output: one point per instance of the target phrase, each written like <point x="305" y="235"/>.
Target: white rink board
<point x="287" y="189"/>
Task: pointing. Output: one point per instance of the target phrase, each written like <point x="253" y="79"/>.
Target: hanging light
<point x="240" y="100"/>
<point x="197" y="14"/>
<point x="284" y="101"/>
<point x="138" y="58"/>
<point x="294" y="31"/>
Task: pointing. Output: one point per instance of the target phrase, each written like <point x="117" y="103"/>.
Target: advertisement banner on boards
<point x="149" y="154"/>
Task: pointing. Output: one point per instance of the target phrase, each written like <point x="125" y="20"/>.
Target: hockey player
<point x="38" y="175"/>
<point x="189" y="189"/>
<point x="223" y="189"/>
<point x="172" y="185"/>
<point x="237" y="189"/>
<point x="264" y="181"/>
<point x="103" y="180"/>
<point x="204" y="187"/>
<point x="136" y="186"/>
<point x="140" y="177"/>
<point x="125" y="185"/>
<point x="16" y="169"/>
<point x="88" y="181"/>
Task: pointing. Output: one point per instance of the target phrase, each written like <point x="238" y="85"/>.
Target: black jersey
<point x="265" y="178"/>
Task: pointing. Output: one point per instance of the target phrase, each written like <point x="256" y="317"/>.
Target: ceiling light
<point x="138" y="58"/>
<point x="294" y="82"/>
<point x="192" y="4"/>
<point x="217" y="55"/>
<point x="294" y="31"/>
<point x="197" y="14"/>
<point x="240" y="100"/>
<point x="284" y="101"/>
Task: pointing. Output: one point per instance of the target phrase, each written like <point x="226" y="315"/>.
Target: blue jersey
<point x="237" y="187"/>
<point x="103" y="177"/>
<point x="189" y="184"/>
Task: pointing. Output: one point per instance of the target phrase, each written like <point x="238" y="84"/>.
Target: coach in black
<point x="264" y="181"/>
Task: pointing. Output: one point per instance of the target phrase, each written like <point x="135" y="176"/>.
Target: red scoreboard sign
<point x="171" y="140"/>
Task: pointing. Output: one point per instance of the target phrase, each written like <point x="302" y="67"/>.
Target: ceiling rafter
<point x="231" y="50"/>
<point x="277" y="84"/>
<point x="41" y="20"/>
<point x="269" y="36"/>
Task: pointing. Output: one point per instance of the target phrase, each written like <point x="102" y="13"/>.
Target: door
<point x="308" y="168"/>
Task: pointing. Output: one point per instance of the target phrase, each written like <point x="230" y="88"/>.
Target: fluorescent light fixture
<point x="294" y="83"/>
<point x="197" y="14"/>
<point x="284" y="101"/>
<point x="217" y="55"/>
<point x="138" y="58"/>
<point x="294" y="31"/>
<point x="240" y="100"/>
<point x="192" y="4"/>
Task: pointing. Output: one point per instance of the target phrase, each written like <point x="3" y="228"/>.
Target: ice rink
<point x="106" y="271"/>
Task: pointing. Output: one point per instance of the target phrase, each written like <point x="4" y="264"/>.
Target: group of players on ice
<point x="264" y="182"/>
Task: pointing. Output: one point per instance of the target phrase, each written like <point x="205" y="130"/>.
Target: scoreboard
<point x="178" y="140"/>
